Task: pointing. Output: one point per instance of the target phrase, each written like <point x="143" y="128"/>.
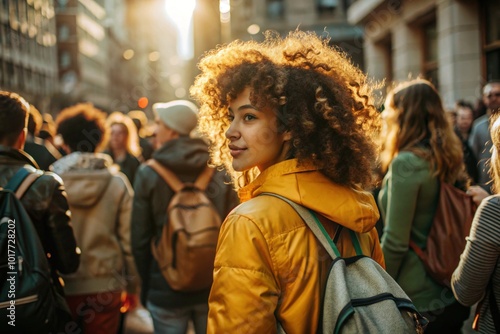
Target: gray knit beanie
<point x="179" y="115"/>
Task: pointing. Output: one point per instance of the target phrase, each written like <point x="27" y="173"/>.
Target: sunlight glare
<point x="181" y="13"/>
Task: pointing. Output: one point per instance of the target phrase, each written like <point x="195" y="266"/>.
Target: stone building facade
<point x="453" y="43"/>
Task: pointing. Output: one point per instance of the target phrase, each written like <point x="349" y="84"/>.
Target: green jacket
<point x="408" y="201"/>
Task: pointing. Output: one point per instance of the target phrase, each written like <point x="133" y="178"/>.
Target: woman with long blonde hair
<point x="123" y="144"/>
<point x="420" y="150"/>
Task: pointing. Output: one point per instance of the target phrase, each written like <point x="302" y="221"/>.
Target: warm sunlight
<point x="181" y="13"/>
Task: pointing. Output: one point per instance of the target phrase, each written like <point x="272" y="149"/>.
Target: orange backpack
<point x="185" y="251"/>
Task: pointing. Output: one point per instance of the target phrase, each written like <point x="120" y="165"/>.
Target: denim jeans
<point x="175" y="320"/>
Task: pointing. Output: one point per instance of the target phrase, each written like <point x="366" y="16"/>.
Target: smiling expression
<point x="254" y="140"/>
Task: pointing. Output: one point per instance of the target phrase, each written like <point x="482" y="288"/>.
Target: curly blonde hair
<point x="319" y="96"/>
<point x="416" y="122"/>
<point x="495" y="158"/>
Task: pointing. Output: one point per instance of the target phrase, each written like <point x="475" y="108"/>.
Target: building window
<point x="275" y="9"/>
<point x="65" y="60"/>
<point x="326" y="7"/>
<point x="491" y="45"/>
<point x="385" y="47"/>
<point x="63" y="33"/>
<point x="430" y="64"/>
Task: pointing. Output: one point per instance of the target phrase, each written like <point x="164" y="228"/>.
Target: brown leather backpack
<point x="185" y="251"/>
<point x="446" y="239"/>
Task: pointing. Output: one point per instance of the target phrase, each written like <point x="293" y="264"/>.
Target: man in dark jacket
<point x="186" y="157"/>
<point x="34" y="145"/>
<point x="45" y="200"/>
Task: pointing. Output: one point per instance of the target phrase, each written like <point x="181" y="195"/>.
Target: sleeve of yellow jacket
<point x="244" y="294"/>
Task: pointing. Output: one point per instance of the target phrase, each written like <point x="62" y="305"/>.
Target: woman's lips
<point x="235" y="150"/>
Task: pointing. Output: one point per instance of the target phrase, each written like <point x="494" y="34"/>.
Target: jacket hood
<point x="303" y="184"/>
<point x="86" y="176"/>
<point x="183" y="155"/>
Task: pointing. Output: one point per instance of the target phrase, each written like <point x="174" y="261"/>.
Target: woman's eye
<point x="249" y="117"/>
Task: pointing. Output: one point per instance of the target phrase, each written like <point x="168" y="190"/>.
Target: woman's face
<point x="254" y="140"/>
<point x="118" y="138"/>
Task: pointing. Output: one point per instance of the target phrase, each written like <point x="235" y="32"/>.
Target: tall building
<point x="28" y="63"/>
<point x="453" y="43"/>
<point x="83" y="59"/>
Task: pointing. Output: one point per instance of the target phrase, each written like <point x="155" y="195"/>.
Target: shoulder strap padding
<point x="21" y="181"/>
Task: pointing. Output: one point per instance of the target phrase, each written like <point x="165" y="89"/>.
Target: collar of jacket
<point x="9" y="155"/>
<point x="304" y="184"/>
<point x="282" y="168"/>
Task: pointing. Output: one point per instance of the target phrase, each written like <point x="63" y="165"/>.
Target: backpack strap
<point x="318" y="230"/>
<point x="21" y="181"/>
<point x="166" y="174"/>
<point x="173" y="181"/>
<point x="316" y="227"/>
<point x="204" y="178"/>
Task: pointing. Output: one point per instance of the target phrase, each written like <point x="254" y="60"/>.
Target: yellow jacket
<point x="268" y="263"/>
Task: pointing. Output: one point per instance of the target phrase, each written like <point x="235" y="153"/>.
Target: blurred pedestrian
<point x="34" y="145"/>
<point x="419" y="151"/>
<point x="186" y="157"/>
<point x="100" y="200"/>
<point x="48" y="134"/>
<point x="123" y="145"/>
<point x="140" y="120"/>
<point x="463" y="128"/>
<point x="45" y="202"/>
<point x="480" y="138"/>
<point x="291" y="116"/>
<point x="477" y="276"/>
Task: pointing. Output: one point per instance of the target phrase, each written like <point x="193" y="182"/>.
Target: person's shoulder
<point x="145" y="171"/>
<point x="265" y="212"/>
<point x="492" y="204"/>
<point x="481" y="122"/>
<point x="409" y="160"/>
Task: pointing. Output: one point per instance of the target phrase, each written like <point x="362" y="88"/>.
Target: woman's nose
<point x="232" y="132"/>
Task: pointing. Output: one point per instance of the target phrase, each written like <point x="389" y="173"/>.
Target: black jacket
<point x="46" y="203"/>
<point x="187" y="158"/>
<point x="39" y="153"/>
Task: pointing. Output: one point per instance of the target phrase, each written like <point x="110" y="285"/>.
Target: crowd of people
<point x="291" y="116"/>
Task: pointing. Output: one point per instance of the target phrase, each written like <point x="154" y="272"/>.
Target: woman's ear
<point x="287" y="135"/>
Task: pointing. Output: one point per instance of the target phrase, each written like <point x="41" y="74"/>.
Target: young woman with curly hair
<point x="420" y="149"/>
<point x="290" y="116"/>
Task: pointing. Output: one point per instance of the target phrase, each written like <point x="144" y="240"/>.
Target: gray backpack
<point x="360" y="296"/>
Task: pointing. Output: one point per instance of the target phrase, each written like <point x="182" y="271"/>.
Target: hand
<point x="477" y="193"/>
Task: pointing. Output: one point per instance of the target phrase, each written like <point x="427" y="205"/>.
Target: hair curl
<point x="318" y="94"/>
<point x="416" y="122"/>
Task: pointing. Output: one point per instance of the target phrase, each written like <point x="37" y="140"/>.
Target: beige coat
<point x="100" y="200"/>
